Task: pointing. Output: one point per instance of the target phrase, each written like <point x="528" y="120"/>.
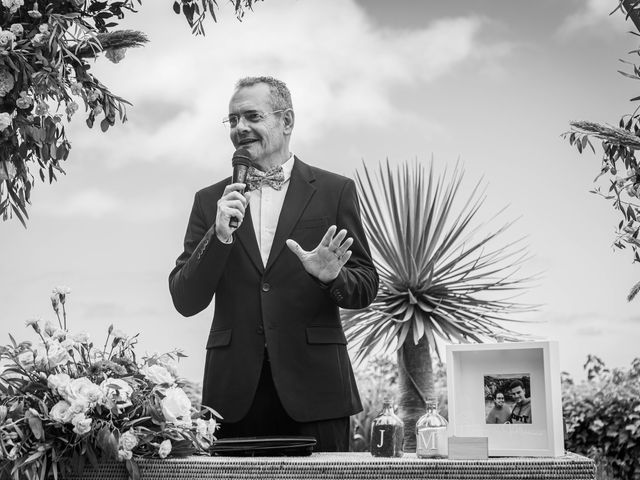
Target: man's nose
<point x="243" y="124"/>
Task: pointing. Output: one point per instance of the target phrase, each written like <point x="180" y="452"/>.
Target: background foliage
<point x="602" y="418"/>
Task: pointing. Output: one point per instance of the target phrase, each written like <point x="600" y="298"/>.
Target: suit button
<point x="260" y="329"/>
<point x="266" y="287"/>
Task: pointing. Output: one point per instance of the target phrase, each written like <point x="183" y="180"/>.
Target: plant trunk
<point x="415" y="378"/>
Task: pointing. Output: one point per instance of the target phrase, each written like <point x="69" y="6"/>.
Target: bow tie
<point x="273" y="178"/>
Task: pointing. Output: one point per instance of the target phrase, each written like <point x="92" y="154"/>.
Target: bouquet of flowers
<point x="65" y="401"/>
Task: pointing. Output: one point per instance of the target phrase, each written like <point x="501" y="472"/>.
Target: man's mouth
<point x="247" y="141"/>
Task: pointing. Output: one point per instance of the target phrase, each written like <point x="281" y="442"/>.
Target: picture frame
<point x="527" y="376"/>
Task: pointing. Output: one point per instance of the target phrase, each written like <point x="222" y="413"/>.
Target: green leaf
<point x="132" y="469"/>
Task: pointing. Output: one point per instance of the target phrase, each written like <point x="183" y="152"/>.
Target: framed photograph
<point x="509" y="393"/>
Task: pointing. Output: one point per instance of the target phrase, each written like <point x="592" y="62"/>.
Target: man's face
<point x="499" y="401"/>
<point x="265" y="139"/>
<point x="518" y="394"/>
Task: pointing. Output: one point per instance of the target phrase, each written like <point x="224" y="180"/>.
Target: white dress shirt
<point x="266" y="204"/>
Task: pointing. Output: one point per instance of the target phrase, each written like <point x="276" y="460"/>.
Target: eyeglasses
<point x="252" y="116"/>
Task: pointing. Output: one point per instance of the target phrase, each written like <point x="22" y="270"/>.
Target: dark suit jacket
<point x="280" y="306"/>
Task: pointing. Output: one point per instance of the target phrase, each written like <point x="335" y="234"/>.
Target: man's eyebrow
<point x="244" y="112"/>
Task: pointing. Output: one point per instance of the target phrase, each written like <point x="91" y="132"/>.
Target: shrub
<point x="602" y="417"/>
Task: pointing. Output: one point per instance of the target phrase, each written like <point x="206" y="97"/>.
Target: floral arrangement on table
<point x="66" y="401"/>
<point x="44" y="76"/>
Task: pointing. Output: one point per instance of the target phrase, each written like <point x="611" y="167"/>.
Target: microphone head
<point x="242" y="157"/>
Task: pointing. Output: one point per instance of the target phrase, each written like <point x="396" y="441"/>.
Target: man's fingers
<point x="342" y="249"/>
<point x="328" y="236"/>
<point x="234" y="187"/>
<point x="233" y="212"/>
<point x="295" y="248"/>
<point x="344" y="258"/>
<point x="337" y="240"/>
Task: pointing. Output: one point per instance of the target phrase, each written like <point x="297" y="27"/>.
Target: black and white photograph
<point x="507" y="398"/>
<point x="239" y="226"/>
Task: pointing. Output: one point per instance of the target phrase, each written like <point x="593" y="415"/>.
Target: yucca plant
<point x="438" y="278"/>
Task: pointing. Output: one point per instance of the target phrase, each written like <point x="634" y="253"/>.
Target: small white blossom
<point x="128" y="441"/>
<point x="176" y="407"/>
<point x="81" y="424"/>
<point x="7" y="37"/>
<point x="13" y="5"/>
<point x="157" y="374"/>
<point x="6" y="85"/>
<point x="165" y="449"/>
<point x="17" y="29"/>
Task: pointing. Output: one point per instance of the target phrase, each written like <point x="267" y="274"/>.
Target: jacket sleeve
<point x="194" y="279"/>
<point x="357" y="283"/>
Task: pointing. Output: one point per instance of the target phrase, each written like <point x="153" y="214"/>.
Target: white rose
<point x="128" y="441"/>
<point x="212" y="426"/>
<point x="165" y="449"/>
<point x="82" y="391"/>
<point x="6" y="38"/>
<point x="157" y="374"/>
<point x="26" y="359"/>
<point x="81" y="337"/>
<point x="119" y="334"/>
<point x="67" y="344"/>
<point x="79" y="406"/>
<point x="176" y="407"/>
<point x="17" y="29"/>
<point x="124" y="455"/>
<point x="201" y="427"/>
<point x="50" y="328"/>
<point x="58" y="382"/>
<point x="13" y="5"/>
<point x="51" y="355"/>
<point x="170" y="364"/>
<point x="5" y="121"/>
<point x="117" y="392"/>
<point x="61" y="412"/>
<point x="81" y="424"/>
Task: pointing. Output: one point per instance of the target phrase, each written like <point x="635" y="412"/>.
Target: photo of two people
<point x="507" y="398"/>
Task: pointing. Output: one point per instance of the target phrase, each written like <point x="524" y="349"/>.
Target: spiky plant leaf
<point x="438" y="277"/>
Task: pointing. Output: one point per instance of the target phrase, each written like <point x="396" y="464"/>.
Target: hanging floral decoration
<point x="45" y="76"/>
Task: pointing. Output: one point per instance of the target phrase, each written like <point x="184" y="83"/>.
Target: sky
<point x="493" y="83"/>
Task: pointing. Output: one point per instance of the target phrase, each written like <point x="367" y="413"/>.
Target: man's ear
<point x="289" y="118"/>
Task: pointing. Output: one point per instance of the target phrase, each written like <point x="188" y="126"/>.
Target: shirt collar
<point x="287" y="167"/>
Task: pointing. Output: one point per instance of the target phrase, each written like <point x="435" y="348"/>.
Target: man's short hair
<point x="515" y="384"/>
<point x="280" y="94"/>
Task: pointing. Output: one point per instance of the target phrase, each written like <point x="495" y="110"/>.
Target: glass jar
<point x="387" y="433"/>
<point x="431" y="433"/>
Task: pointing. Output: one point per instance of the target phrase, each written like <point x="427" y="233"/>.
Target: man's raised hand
<point x="326" y="260"/>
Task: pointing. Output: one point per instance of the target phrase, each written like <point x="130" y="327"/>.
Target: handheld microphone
<point x="241" y="162"/>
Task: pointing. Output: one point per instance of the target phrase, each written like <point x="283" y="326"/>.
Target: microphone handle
<point x="239" y="176"/>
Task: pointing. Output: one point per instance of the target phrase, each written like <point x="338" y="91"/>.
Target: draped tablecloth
<point x="332" y="466"/>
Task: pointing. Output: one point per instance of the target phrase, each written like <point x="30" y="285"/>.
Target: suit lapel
<point x="247" y="237"/>
<point x="298" y="195"/>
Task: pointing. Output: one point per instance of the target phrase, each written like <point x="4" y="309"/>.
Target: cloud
<point x="344" y="72"/>
<point x="593" y="15"/>
<point x="87" y="203"/>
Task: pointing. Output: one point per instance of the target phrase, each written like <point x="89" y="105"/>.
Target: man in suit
<point x="277" y="362"/>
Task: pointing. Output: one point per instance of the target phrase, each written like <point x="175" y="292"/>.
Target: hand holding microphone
<point x="232" y="204"/>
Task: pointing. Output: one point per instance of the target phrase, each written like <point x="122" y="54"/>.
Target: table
<point x="343" y="466"/>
